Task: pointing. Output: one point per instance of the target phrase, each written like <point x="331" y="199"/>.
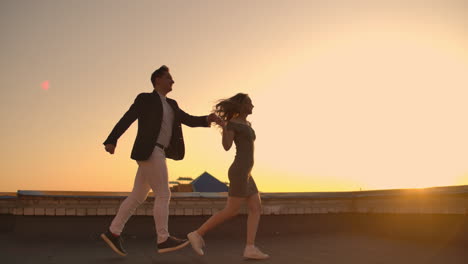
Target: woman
<point x="242" y="188"/>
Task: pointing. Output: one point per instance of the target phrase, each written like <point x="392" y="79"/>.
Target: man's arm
<point x="124" y="123"/>
<point x="199" y="121"/>
<point x="193" y="121"/>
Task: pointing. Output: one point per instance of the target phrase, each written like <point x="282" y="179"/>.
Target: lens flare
<point x="45" y="85"/>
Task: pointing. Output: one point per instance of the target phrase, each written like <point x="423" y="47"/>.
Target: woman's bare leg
<point x="255" y="209"/>
<point x="232" y="209"/>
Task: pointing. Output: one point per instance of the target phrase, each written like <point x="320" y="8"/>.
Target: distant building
<point x="207" y="183"/>
<point x="203" y="183"/>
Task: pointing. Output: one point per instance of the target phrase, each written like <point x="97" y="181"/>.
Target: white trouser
<point x="151" y="174"/>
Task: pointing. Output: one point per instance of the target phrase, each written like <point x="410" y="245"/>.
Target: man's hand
<point x="110" y="148"/>
<point x="214" y="118"/>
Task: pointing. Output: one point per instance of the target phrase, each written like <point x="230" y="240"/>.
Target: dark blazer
<point x="147" y="108"/>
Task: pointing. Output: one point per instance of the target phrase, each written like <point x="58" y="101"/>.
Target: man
<point x="159" y="137"/>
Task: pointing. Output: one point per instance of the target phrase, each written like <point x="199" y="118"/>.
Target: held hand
<point x="110" y="148"/>
<point x="214" y="118"/>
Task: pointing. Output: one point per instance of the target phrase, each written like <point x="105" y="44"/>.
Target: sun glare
<point x="378" y="108"/>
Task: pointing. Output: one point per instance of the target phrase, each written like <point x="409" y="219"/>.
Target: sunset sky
<point x="348" y="95"/>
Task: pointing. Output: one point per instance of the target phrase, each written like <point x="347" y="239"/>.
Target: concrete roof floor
<point x="334" y="238"/>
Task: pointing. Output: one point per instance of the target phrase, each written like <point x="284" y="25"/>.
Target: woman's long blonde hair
<point x="231" y="107"/>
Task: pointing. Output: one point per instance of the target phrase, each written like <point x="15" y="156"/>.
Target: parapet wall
<point x="439" y="200"/>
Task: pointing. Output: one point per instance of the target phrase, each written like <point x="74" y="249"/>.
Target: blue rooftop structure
<point x="207" y="183"/>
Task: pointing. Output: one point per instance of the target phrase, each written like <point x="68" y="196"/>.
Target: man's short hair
<point x="158" y="73"/>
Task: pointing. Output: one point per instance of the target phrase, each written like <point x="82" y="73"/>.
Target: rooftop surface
<point x="387" y="226"/>
<point x="337" y="238"/>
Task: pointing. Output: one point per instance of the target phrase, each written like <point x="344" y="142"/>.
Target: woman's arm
<point x="228" y="138"/>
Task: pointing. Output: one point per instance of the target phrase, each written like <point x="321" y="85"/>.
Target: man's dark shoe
<point x="172" y="244"/>
<point x="114" y="242"/>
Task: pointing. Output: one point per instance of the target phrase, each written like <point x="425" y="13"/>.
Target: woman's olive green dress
<point x="241" y="183"/>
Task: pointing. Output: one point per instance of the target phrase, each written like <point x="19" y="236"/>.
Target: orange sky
<point x="348" y="95"/>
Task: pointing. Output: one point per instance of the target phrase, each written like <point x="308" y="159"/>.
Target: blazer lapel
<point x="173" y="104"/>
